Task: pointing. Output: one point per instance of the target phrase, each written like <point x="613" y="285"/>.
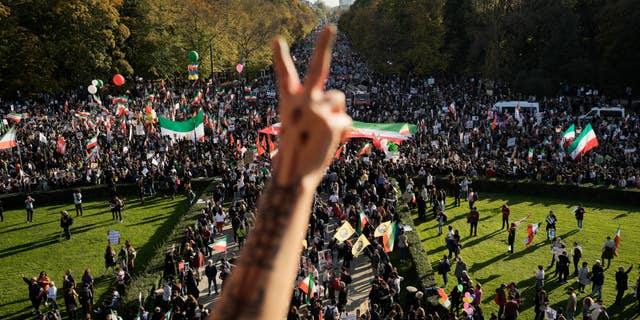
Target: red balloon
<point x="118" y="80"/>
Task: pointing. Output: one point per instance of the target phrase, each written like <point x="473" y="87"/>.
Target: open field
<point x="31" y="248"/>
<point x="490" y="264"/>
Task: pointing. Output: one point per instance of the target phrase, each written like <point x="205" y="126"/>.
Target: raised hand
<point x="313" y="121"/>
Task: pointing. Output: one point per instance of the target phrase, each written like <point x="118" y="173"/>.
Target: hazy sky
<point x="330" y="3"/>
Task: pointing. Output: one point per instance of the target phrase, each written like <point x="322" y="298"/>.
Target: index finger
<point x="319" y="68"/>
<point x="286" y="74"/>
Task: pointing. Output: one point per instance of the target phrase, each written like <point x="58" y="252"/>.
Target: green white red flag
<point x="8" y="141"/>
<point x="219" y="245"/>
<point x="389" y="238"/>
<point x="585" y="142"/>
<point x="16" y="117"/>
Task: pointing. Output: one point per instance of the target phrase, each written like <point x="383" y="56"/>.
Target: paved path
<point x="358" y="291"/>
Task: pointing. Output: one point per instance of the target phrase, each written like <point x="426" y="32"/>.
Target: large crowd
<point x="131" y="149"/>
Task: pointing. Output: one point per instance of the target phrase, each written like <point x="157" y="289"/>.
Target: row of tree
<point x="536" y="44"/>
<point x="53" y="45"/>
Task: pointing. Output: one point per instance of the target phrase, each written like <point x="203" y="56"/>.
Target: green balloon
<point x="460" y="287"/>
<point x="193" y="56"/>
<point x="100" y="83"/>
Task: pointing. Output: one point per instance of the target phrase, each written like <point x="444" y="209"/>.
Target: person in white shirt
<point x="52" y="295"/>
<point x="77" y="200"/>
<point x="220" y="221"/>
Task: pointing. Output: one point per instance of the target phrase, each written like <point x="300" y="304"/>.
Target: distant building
<point x="346" y="3"/>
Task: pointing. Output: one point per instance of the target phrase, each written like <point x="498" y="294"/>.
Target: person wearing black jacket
<point x="622" y="279"/>
<point x="211" y="272"/>
<point x="34" y="293"/>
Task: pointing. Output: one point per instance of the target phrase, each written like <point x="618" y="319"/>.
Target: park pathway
<point x="358" y="291"/>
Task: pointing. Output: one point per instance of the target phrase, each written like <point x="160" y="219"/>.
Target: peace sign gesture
<point x="313" y="121"/>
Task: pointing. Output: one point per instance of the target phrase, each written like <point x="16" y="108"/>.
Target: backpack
<point x="329" y="313"/>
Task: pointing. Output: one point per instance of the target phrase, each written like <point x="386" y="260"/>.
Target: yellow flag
<point x="359" y="246"/>
<point x="344" y="232"/>
<point x="382" y="229"/>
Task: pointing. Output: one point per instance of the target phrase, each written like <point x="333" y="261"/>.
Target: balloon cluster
<point x="94" y="86"/>
<point x="468" y="299"/>
<point x="444" y="299"/>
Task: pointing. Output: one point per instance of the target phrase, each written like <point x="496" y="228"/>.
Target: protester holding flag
<point x="608" y="251"/>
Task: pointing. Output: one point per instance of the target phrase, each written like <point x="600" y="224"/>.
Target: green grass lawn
<point x="31" y="248"/>
<point x="490" y="264"/>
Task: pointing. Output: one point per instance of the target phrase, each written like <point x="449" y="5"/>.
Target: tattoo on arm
<point x="244" y="296"/>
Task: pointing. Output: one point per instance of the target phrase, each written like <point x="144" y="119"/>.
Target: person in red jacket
<point x="501" y="299"/>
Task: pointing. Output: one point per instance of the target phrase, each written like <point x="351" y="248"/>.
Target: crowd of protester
<point x="131" y="149"/>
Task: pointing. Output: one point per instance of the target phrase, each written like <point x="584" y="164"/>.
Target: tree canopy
<point x="54" y="45"/>
<point x="536" y="44"/>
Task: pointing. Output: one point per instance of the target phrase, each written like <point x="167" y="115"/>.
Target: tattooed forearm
<point x="244" y="293"/>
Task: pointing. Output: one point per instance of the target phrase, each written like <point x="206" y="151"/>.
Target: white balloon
<point x="92" y="89"/>
<point x="94" y="82"/>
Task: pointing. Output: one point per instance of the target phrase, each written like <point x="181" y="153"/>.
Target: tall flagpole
<point x="20" y="158"/>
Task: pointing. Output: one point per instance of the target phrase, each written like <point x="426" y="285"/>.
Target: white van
<point x="510" y="107"/>
<point x="604" y="112"/>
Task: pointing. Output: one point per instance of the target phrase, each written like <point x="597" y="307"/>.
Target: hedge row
<point x="575" y="193"/>
<point x="150" y="279"/>
<point x="89" y="193"/>
<point x="419" y="256"/>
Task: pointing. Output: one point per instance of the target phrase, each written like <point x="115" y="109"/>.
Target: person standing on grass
<point x="65" y="223"/>
<point x="34" y="293"/>
<point x="472" y="218"/>
<point x="539" y="276"/>
<point x="512" y="237"/>
<point x="541" y="302"/>
<point x="576" y="254"/>
<point x="608" y="251"/>
<point x="444" y="266"/>
<point x="500" y="299"/>
<point x="579" y="213"/>
<point x="551" y="225"/>
<point x="583" y="277"/>
<point x="472" y="197"/>
<point x="572" y="303"/>
<point x="109" y="259"/>
<point x="597" y="279"/>
<point x="505" y="216"/>
<point x="77" y="201"/>
<point x="622" y="279"/>
<point x="28" y="203"/>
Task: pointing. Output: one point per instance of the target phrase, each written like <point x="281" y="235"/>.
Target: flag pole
<point x="20" y="159"/>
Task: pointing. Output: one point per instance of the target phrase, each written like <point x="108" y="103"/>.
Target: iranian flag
<point x="362" y="221"/>
<point x="494" y="124"/>
<point x="308" y="286"/>
<point x="17" y="117"/>
<point x="219" y="245"/>
<point x="617" y="241"/>
<point x="405" y="131"/>
<point x="61" y="146"/>
<point x="452" y="109"/>
<point x="95" y="99"/>
<point x="92" y="142"/>
<point x="585" y="142"/>
<point x="82" y="114"/>
<point x="532" y="229"/>
<point x="530" y="154"/>
<point x="197" y="98"/>
<point x="250" y="98"/>
<point x="389" y="238"/>
<point x="367" y="130"/>
<point x="8" y="141"/>
<point x="192" y="128"/>
<point x="568" y="136"/>
<point x="365" y="149"/>
<point x="247" y="88"/>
